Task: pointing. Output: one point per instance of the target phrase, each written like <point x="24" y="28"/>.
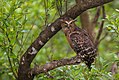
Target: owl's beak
<point x="68" y="25"/>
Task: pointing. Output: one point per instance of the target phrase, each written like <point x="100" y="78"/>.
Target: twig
<point x="59" y="7"/>
<point x="95" y="19"/>
<point x="9" y="50"/>
<point x="46" y="12"/>
<point x="66" y="5"/>
<point x="10" y="63"/>
<point x="101" y="27"/>
<point x="102" y="38"/>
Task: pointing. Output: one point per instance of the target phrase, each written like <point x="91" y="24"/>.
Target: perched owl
<point x="79" y="41"/>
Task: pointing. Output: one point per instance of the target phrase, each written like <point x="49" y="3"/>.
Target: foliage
<point x="21" y="21"/>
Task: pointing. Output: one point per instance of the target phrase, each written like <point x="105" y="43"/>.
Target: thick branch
<point x="86" y="24"/>
<point x="85" y="21"/>
<point x="50" y="31"/>
<point x="54" y="64"/>
<point x="83" y="6"/>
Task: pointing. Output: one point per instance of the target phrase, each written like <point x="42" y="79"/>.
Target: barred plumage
<point x="79" y="41"/>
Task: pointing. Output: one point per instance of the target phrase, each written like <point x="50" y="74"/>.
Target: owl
<point x="79" y="41"/>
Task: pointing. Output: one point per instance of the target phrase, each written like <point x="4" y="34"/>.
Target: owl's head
<point x="67" y="22"/>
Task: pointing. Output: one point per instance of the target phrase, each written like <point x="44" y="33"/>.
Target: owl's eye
<point x="71" y="22"/>
<point x="65" y="23"/>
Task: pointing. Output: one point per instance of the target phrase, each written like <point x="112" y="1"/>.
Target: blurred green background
<point x="21" y="21"/>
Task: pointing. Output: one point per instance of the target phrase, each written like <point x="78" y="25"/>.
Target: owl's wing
<point x="80" y="41"/>
<point x="76" y="41"/>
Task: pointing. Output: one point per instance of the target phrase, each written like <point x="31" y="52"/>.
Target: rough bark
<point x="54" y="64"/>
<point x="47" y="33"/>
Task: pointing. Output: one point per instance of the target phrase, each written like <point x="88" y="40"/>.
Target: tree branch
<point x="50" y="31"/>
<point x="101" y="27"/>
<point x="94" y="21"/>
<point x="85" y="22"/>
<point x="54" y="64"/>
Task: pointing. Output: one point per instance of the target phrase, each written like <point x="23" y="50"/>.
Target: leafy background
<point x="21" y="21"/>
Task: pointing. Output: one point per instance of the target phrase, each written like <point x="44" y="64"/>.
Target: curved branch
<point x="49" y="32"/>
<point x="54" y="64"/>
